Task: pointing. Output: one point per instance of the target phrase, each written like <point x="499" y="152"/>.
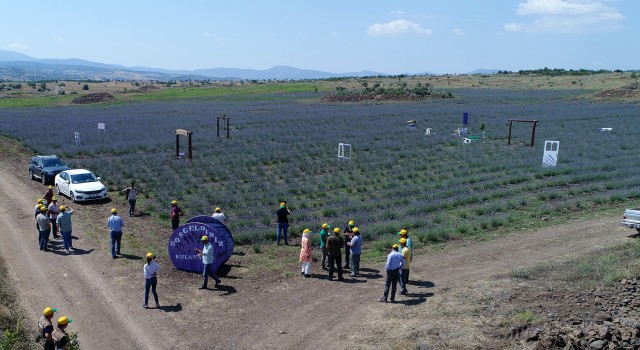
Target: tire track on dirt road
<point x="69" y="283"/>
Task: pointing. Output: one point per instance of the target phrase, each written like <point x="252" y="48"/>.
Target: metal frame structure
<point x="225" y="121"/>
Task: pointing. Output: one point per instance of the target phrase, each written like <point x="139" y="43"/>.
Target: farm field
<point x="283" y="146"/>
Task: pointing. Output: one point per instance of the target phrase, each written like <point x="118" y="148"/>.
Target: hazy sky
<point x="393" y="36"/>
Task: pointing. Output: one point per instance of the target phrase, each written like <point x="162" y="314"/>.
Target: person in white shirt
<point x="131" y="193"/>
<point x="151" y="269"/>
<point x="219" y="215"/>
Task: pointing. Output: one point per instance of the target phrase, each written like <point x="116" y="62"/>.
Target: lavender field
<point x="284" y="147"/>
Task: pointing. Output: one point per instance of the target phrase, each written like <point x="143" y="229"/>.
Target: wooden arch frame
<point x="533" y="129"/>
<point x="185" y="133"/>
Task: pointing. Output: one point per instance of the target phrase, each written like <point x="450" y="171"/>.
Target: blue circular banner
<point x="186" y="238"/>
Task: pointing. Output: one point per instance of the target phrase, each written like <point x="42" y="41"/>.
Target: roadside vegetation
<point x="14" y="335"/>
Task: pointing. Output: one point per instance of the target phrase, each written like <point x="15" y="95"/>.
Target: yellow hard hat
<point x="306" y="230"/>
<point x="50" y="187"/>
<point x="64" y="320"/>
<point x="114" y="210"/>
<point x="403" y="241"/>
<point x="174" y="202"/>
<point x="42" y="208"/>
<point x="351" y="223"/>
<point x="149" y="255"/>
<point x="218" y="209"/>
<point x="355" y="229"/>
<point x="395" y="246"/>
<point x="403" y="232"/>
<point x="49" y="310"/>
<point x="336" y="230"/>
<point x="204" y="238"/>
<point x="40" y="200"/>
<point x="63" y="208"/>
<point x="54" y="198"/>
<point x="325" y="225"/>
<point x="282" y="204"/>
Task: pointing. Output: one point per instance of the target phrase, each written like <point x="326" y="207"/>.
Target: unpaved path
<point x="252" y="310"/>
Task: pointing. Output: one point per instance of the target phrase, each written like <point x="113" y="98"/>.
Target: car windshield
<point x="52" y="162"/>
<point x="82" y="178"/>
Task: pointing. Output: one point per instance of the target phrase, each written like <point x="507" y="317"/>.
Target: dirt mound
<point x="94" y="98"/>
<point x="624" y="92"/>
<point x="601" y="319"/>
<point x="148" y="88"/>
<point x="380" y="97"/>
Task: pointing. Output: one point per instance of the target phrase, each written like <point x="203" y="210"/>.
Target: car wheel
<point x="72" y="197"/>
<point x="31" y="175"/>
<point x="44" y="179"/>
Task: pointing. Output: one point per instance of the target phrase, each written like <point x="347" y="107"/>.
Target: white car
<point x="80" y="185"/>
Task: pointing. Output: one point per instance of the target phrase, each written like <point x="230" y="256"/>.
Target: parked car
<point x="80" y="185"/>
<point x="46" y="168"/>
<point x="631" y="218"/>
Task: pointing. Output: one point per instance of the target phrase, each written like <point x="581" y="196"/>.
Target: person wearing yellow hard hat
<point x="282" y="222"/>
<point x="404" y="272"/>
<point x="305" y="253"/>
<point x="175" y="214"/>
<point x="66" y="228"/>
<point x="60" y="335"/>
<point x="324" y="235"/>
<point x="404" y="234"/>
<point x="44" y="228"/>
<point x="53" y="209"/>
<point x="207" y="260"/>
<point x="151" y="269"/>
<point x="395" y="262"/>
<point x="334" y="248"/>
<point x="219" y="215"/>
<point x="355" y="245"/>
<point x="115" y="224"/>
<point x="348" y="235"/>
<point x="39" y="203"/>
<point x="48" y="195"/>
<point x="46" y="327"/>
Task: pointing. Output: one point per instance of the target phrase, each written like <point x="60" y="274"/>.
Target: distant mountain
<point x="484" y="71"/>
<point x="19" y="67"/>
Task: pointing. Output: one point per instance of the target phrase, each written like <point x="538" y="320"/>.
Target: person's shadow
<point x="78" y="251"/>
<point x="130" y="256"/>
<point x="370" y="273"/>
<point x="171" y="308"/>
<point x="226" y="289"/>
<point x="417" y="298"/>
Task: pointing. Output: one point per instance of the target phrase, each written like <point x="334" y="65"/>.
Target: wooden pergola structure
<point x="533" y="129"/>
<point x="225" y="121"/>
<point x="185" y="133"/>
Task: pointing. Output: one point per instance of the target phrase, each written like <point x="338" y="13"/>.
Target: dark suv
<point x="46" y="168"/>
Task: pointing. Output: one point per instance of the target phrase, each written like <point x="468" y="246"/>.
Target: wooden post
<point x="190" y="154"/>
<point x="533" y="132"/>
<point x="177" y="145"/>
<point x="510" y="125"/>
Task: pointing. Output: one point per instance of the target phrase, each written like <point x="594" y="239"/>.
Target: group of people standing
<point x="331" y="246"/>
<point x="54" y="337"/>
<point x="53" y="218"/>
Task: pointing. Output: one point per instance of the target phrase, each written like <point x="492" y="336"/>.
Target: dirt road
<point x="252" y="310"/>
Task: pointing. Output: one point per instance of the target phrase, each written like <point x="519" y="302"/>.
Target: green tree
<point x="85" y="87"/>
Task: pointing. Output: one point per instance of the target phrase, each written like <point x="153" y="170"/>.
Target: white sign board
<point x="342" y="151"/>
<point x="550" y="157"/>
<point x="76" y="137"/>
<point x="100" y="126"/>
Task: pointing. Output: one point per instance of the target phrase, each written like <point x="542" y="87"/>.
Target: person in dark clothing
<point x="175" y="214"/>
<point x="334" y="246"/>
<point x="283" y="222"/>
